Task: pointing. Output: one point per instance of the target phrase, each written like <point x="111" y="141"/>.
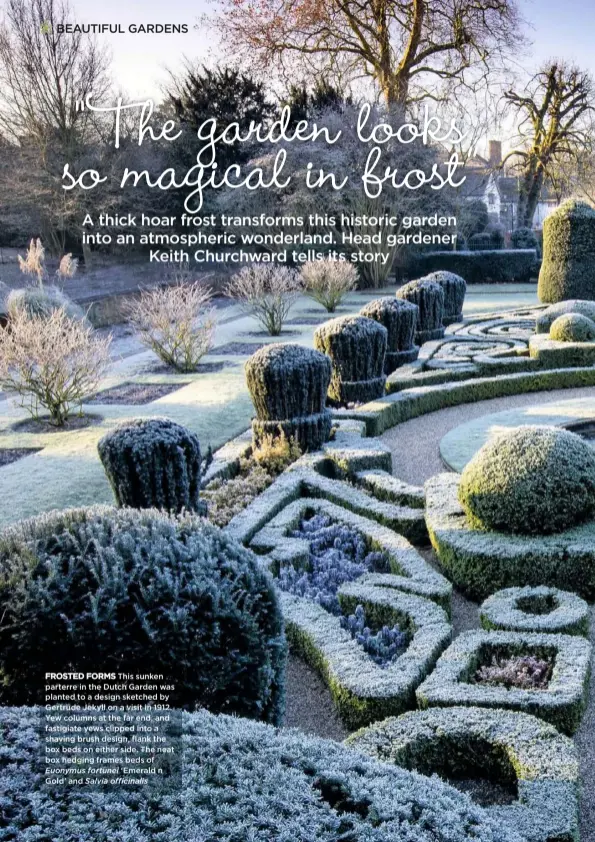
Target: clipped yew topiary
<point x="530" y="480"/>
<point x="399" y="317"/>
<point x="572" y="327"/>
<point x="288" y="386"/>
<point x="524" y="238"/>
<point x="568" y="267"/>
<point x="356" y="346"/>
<point x="429" y="298"/>
<point x="455" y="289"/>
<point x="140" y="591"/>
<point x="548" y="316"/>
<point x="153" y="463"/>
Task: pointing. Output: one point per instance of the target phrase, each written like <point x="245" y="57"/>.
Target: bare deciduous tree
<point x="405" y="46"/>
<point x="555" y="112"/>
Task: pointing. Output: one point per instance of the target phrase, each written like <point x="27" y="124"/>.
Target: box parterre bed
<point x="562" y="702"/>
<point x="515" y="748"/>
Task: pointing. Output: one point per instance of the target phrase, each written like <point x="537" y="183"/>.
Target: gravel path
<point x="416" y="457"/>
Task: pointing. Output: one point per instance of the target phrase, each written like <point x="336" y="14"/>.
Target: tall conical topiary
<point x="288" y="386"/>
<point x="357" y="347"/>
<point x="399" y="317"/>
<point x="429" y="298"/>
<point x="568" y="267"/>
<point x="153" y="464"/>
<point x="455" y="289"/>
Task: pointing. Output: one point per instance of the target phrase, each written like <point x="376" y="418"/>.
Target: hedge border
<point x="362" y="691"/>
<point x="553" y="353"/>
<point x="545" y="762"/>
<point x="501" y="612"/>
<point x="481" y="562"/>
<point x="411" y="573"/>
<point x="561" y="703"/>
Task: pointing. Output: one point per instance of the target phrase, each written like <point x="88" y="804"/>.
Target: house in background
<point x="499" y="191"/>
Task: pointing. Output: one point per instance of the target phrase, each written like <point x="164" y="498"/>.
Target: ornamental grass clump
<point x="328" y="281"/>
<point x="51" y="363"/>
<point x="399" y="317"/>
<point x="153" y="464"/>
<point x="455" y="289"/>
<point x="288" y="386"/>
<point x="530" y="480"/>
<point x="176" y="323"/>
<point x="356" y="346"/>
<point x="123" y="590"/>
<point x="266" y="292"/>
<point x="572" y="327"/>
<point x="429" y="298"/>
<point x="568" y="269"/>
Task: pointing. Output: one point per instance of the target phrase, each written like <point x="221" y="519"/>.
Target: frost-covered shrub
<point x="473" y="218"/>
<point x="572" y="327"/>
<point x="41" y="302"/>
<point x="399" y="317"/>
<point x="153" y="464"/>
<point x="329" y="281"/>
<point x="338" y="555"/>
<point x="429" y="298"/>
<point x="288" y="386"/>
<point x="531" y="480"/>
<point x="266" y="292"/>
<point x="455" y="289"/>
<point x="546" y="319"/>
<point x="527" y="672"/>
<point x="176" y="323"/>
<point x="480" y="242"/>
<point x="357" y="347"/>
<point x="122" y="590"/>
<point x="497" y="234"/>
<point x="568" y="269"/>
<point x="524" y="238"/>
<point x="241" y="781"/>
<point x="539" y="609"/>
<point x="52" y="362"/>
<point x="498" y="266"/>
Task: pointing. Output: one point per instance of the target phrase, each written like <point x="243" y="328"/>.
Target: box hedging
<point x="550" y="352"/>
<point x="561" y="703"/>
<point x="481" y="562"/>
<point x="108" y="589"/>
<point x="536" y="609"/>
<point x="510" y="747"/>
<point x="478" y="267"/>
<point x="240" y="781"/>
<point x="361" y="690"/>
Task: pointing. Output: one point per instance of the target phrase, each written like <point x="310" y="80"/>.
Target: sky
<point x="140" y="61"/>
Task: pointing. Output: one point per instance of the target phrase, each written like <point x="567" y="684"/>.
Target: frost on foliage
<point x="339" y="555"/>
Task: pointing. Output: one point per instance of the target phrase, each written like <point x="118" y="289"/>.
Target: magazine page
<point x="297" y="421"/>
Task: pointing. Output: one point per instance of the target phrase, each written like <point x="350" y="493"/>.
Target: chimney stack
<point x="494" y="153"/>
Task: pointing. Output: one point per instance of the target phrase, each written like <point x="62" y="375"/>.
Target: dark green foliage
<point x="305" y="104"/>
<point x="399" y="317"/>
<point x="288" y="386"/>
<point x="523" y="238"/>
<point x="480" y="242"/>
<point x="241" y="782"/>
<point x="122" y="590"/>
<point x="538" y="609"/>
<point x="478" y="267"/>
<point x="455" y="289"/>
<point x="429" y="298"/>
<point x="226" y="95"/>
<point x="572" y="327"/>
<point x="546" y="319"/>
<point x="568" y="268"/>
<point x="532" y="480"/>
<point x="497" y="234"/>
<point x="357" y="347"/>
<point x="473" y="218"/>
<point x="153" y="463"/>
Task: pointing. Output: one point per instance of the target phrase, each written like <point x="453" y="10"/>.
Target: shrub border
<point x="545" y="762"/>
<point x="481" y="562"/>
<point x="500" y="612"/>
<point x="563" y="701"/>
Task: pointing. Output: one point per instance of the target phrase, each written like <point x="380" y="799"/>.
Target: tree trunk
<point x="529" y="193"/>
